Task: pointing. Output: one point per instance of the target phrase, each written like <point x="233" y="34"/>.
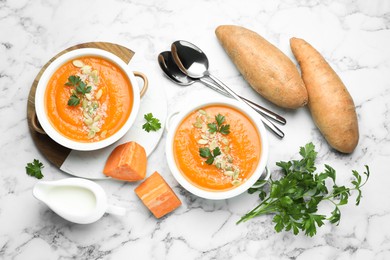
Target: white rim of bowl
<point x="40" y="99"/>
<point x="217" y="195"/>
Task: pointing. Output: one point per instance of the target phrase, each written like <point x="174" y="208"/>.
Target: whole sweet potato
<point x="267" y="69"/>
<point x="330" y="103"/>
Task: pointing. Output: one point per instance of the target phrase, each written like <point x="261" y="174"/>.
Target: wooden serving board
<point x="54" y="152"/>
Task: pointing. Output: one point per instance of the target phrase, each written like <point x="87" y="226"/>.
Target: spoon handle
<point x="264" y="111"/>
<point x="268" y="123"/>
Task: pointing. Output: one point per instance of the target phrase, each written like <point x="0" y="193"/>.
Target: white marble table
<point x="353" y="35"/>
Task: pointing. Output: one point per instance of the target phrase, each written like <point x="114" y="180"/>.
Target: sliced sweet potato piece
<point x="157" y="196"/>
<point x="127" y="162"/>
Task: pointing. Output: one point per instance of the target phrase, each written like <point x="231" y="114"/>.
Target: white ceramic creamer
<point x="77" y="200"/>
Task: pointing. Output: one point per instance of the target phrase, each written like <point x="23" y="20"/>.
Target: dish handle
<point x="169" y="119"/>
<point x="36" y="125"/>
<point x="146" y="82"/>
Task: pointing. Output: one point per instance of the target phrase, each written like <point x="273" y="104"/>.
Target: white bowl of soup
<point x="216" y="149"/>
<point x="87" y="99"/>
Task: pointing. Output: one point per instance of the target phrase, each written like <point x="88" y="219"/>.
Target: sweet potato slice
<point x="127" y="162"/>
<point x="157" y="196"/>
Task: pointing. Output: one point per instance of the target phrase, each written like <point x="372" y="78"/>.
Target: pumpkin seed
<point x="84" y="103"/>
<point x="95" y="77"/>
<point x="88" y="121"/>
<point x="198" y="125"/>
<point x="86" y="115"/>
<point x="236" y="182"/>
<point x="236" y="173"/>
<point x="103" y="134"/>
<point x="88" y="96"/>
<point x="228" y="173"/>
<point x="223" y="164"/>
<point x="204" y="136"/>
<point x="229" y="158"/>
<point x="97" y="118"/>
<point x="95" y="129"/>
<point x="213" y="144"/>
<point x="86" y="69"/>
<point x="78" y="63"/>
<point x="202" y="112"/>
<point x="99" y="94"/>
<point x="218" y="165"/>
<point x="202" y="141"/>
<point x="95" y="104"/>
<point x="225" y="141"/>
<point x="91" y="134"/>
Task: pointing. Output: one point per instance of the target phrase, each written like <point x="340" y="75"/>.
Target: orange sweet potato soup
<point x="88" y="99"/>
<point x="217" y="148"/>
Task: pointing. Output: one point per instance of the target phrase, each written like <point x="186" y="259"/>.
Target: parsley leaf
<point x="295" y="197"/>
<point x="219" y="127"/>
<point x="74" y="100"/>
<point x="220" y="119"/>
<point x="216" y="151"/>
<point x="73" y="81"/>
<point x="81" y="88"/>
<point x="224" y="129"/>
<point x="213" y="128"/>
<point x="152" y="124"/>
<point x="206" y="153"/>
<point x="34" y="169"/>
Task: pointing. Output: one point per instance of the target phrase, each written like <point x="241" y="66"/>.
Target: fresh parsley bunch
<point x="294" y="198"/>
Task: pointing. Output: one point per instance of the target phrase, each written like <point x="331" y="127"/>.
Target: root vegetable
<point x="330" y="103"/>
<point x="127" y="162"/>
<point x="157" y="196"/>
<point x="267" y="69"/>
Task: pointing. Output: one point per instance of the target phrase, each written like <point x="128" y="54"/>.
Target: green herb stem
<point x="294" y="198"/>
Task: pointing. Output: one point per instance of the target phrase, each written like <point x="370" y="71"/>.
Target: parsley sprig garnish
<point x="205" y="152"/>
<point x="152" y="123"/>
<point x="218" y="126"/>
<point x="34" y="169"/>
<point x="81" y="89"/>
<point x="294" y="198"/>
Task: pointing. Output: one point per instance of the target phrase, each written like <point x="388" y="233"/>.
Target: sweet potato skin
<point x="330" y="103"/>
<point x="267" y="69"/>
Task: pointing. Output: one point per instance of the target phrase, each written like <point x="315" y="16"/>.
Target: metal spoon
<point x="168" y="65"/>
<point x="193" y="61"/>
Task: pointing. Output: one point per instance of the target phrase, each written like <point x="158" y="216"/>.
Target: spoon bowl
<point x="168" y="65"/>
<point x="190" y="59"/>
